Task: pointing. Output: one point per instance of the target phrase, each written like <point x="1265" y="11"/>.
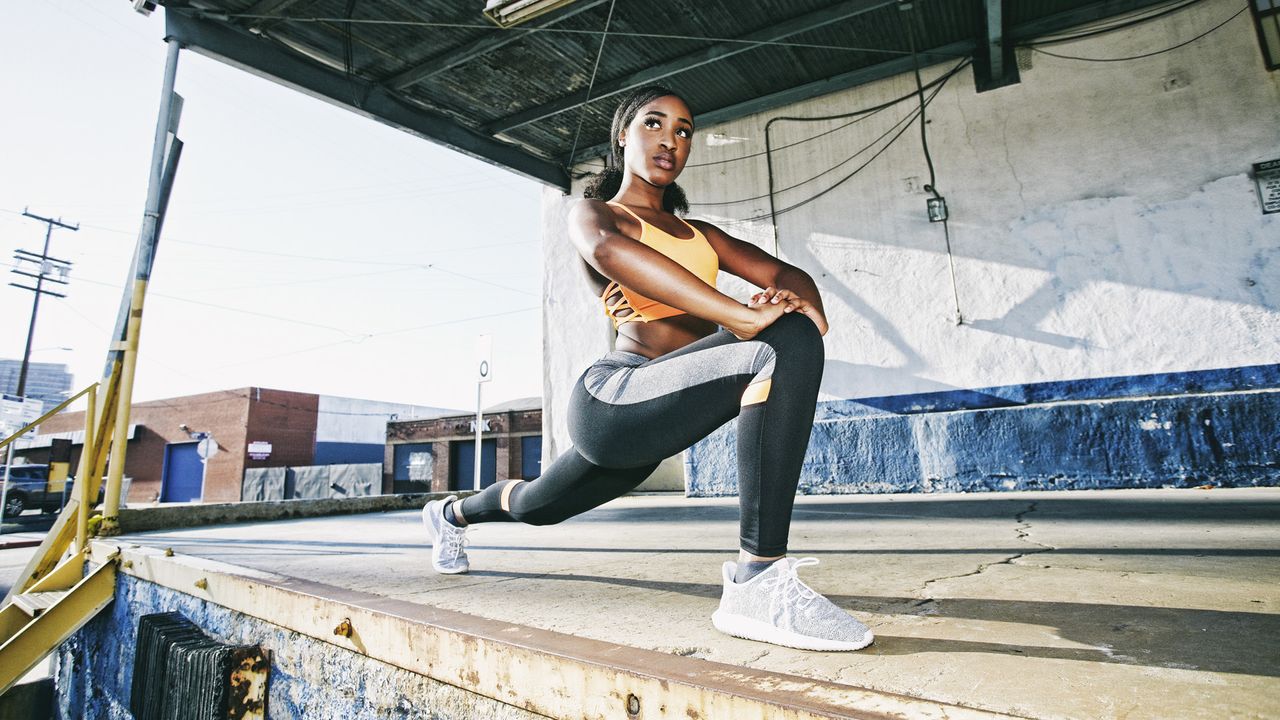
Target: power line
<point x="590" y="85"/>
<point x="393" y="265"/>
<point x="1238" y="13"/>
<point x="833" y="168"/>
<point x="415" y="328"/>
<point x="1122" y="24"/>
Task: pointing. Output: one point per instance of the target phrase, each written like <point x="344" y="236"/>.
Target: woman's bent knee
<point x="794" y="332"/>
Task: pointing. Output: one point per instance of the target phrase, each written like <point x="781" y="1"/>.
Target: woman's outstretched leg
<point x="571" y="486"/>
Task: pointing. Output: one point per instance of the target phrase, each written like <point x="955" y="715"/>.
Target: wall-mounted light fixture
<point x="937" y="205"/>
<point x="508" y="13"/>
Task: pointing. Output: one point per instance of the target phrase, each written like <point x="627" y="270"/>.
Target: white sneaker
<point x="448" y="541"/>
<point x="776" y="607"/>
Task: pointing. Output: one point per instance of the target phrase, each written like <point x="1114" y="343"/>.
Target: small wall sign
<point x="259" y="450"/>
<point x="1267" y="176"/>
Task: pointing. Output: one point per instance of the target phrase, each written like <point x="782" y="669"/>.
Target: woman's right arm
<point x="593" y="228"/>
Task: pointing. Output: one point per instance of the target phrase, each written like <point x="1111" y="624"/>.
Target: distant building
<point x="438" y="455"/>
<point x="48" y="382"/>
<point x="253" y="428"/>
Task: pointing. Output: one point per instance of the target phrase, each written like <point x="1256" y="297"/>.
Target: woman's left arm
<point x="758" y="267"/>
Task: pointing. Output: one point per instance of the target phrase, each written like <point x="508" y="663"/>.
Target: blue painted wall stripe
<point x="1171" y="430"/>
<point x="1253" y="377"/>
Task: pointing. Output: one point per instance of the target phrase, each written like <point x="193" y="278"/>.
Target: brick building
<point x="252" y="428"/>
<point x="438" y="455"/>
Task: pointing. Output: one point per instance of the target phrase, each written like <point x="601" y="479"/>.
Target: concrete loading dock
<point x="1152" y="603"/>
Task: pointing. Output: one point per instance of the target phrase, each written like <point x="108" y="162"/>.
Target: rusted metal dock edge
<point x="544" y="672"/>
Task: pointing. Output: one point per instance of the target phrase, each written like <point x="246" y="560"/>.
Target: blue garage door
<point x="462" y="462"/>
<point x="530" y="457"/>
<point x="183" y="473"/>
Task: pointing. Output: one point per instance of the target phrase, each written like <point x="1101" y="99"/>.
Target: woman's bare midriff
<point x="659" y="337"/>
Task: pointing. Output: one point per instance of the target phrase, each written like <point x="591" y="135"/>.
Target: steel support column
<point x="994" y="65"/>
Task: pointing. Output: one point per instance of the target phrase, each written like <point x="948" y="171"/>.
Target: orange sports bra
<point x="695" y="254"/>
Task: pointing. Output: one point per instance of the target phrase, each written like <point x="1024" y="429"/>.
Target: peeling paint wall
<point x="308" y="678"/>
<point x="1103" y="221"/>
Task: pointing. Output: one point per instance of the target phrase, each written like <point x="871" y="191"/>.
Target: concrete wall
<point x="1103" y="225"/>
<point x="308" y="678"/>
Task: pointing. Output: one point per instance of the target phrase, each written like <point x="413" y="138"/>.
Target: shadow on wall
<point x="1022" y="318"/>
<point x="844" y="379"/>
<point x="857" y="380"/>
<point x="1071" y="265"/>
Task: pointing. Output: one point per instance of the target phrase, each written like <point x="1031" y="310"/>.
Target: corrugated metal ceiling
<point x="514" y="96"/>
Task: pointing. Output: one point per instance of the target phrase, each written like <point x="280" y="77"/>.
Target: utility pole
<point x="48" y="268"/>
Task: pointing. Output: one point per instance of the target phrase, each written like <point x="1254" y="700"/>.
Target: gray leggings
<point x="627" y="413"/>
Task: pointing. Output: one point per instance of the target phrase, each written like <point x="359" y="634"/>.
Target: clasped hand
<point x="791" y="303"/>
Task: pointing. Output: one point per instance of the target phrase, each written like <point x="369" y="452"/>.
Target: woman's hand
<point x="756" y="317"/>
<point x="775" y="296"/>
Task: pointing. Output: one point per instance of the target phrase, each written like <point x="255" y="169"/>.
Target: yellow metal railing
<point x="92" y="388"/>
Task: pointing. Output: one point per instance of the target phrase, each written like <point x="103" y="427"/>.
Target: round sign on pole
<point x="484" y="359"/>
<point x="207" y="447"/>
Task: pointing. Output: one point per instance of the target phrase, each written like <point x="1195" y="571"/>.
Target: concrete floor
<point x="1101" y="604"/>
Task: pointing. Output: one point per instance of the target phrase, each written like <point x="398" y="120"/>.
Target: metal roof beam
<point x="261" y="57"/>
<point x="720" y="51"/>
<point x="479" y="47"/>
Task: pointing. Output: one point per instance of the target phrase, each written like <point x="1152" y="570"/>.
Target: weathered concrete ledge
<point x="163" y="517"/>
<point x="343" y="653"/>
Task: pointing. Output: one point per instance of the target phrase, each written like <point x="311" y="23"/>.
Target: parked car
<point x="29" y="490"/>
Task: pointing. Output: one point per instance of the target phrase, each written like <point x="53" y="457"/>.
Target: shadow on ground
<point x="1182" y="638"/>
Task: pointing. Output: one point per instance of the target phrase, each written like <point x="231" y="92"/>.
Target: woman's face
<point x="657" y="141"/>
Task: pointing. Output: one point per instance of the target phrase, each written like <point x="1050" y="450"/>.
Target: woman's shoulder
<point x="593" y="212"/>
<point x="707" y="229"/>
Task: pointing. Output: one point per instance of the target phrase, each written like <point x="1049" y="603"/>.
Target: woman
<point x="687" y="360"/>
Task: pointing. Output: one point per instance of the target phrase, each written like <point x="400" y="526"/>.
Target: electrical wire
<point x="1122" y="24"/>
<point x="774" y="213"/>
<point x="294" y="321"/>
<point x="865" y="111"/>
<point x="415" y="328"/>
<point x="1202" y="35"/>
<point x="855" y="114"/>
<point x="592" y="83"/>
<point x="924" y="122"/>
<point x="932" y="187"/>
<point x="908" y="119"/>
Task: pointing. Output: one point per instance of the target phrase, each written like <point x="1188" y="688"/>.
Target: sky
<point x="305" y="248"/>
